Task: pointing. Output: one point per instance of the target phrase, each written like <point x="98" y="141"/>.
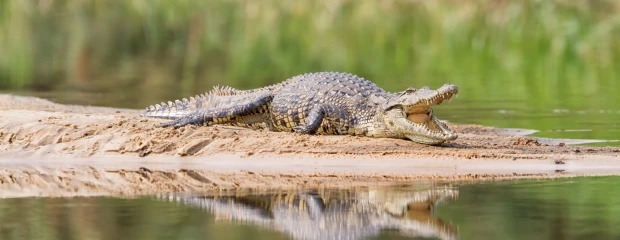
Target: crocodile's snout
<point x="415" y="117"/>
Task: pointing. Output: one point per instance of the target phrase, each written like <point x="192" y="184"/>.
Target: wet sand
<point x="49" y="149"/>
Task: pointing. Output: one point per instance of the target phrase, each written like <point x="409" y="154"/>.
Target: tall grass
<point x="538" y="51"/>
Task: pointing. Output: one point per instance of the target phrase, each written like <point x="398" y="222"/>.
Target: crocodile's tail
<point x="209" y="100"/>
<point x="183" y="107"/>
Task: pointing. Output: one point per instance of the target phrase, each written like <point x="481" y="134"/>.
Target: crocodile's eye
<point x="409" y="91"/>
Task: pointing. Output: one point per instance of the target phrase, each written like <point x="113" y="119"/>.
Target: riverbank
<point x="50" y="149"/>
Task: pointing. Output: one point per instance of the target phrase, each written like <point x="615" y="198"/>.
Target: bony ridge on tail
<point x="318" y="103"/>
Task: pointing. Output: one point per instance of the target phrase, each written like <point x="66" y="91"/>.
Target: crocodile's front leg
<point x="334" y="114"/>
<point x="222" y="115"/>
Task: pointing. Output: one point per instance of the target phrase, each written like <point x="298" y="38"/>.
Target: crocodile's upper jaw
<point x="410" y="114"/>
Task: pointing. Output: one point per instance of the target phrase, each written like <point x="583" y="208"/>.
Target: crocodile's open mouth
<point x="423" y="114"/>
<point x="426" y="127"/>
<point x="417" y="120"/>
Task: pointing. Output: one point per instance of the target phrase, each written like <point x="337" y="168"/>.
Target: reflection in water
<point x="334" y="214"/>
<point x="570" y="208"/>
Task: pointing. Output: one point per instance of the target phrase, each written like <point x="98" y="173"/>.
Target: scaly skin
<point x="319" y="103"/>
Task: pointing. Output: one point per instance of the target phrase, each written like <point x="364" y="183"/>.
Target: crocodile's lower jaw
<point x="427" y="140"/>
<point x="420" y="126"/>
<point x="432" y="132"/>
<point x="431" y="137"/>
<point x="427" y="129"/>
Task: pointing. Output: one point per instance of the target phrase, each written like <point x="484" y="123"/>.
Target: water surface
<point x="576" y="208"/>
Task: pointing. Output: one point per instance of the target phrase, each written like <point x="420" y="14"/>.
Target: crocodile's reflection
<point x="337" y="214"/>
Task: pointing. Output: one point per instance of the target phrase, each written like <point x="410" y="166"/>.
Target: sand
<point x="49" y="149"/>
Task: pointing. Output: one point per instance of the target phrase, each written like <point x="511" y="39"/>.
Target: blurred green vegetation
<point x="535" y="48"/>
<point x="530" y="56"/>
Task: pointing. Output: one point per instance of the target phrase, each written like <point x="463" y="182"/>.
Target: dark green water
<point x="577" y="208"/>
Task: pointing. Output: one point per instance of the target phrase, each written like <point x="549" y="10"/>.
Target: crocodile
<point x="330" y="103"/>
<point x="334" y="214"/>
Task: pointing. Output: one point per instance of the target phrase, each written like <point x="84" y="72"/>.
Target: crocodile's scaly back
<point x="326" y="103"/>
<point x="318" y="103"/>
